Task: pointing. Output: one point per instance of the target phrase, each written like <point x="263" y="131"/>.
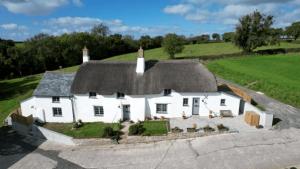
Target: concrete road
<point x="254" y="150"/>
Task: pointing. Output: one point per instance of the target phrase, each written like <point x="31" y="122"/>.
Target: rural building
<point x="110" y="91"/>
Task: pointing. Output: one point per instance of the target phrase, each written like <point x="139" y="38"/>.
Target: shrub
<point x="259" y="127"/>
<point x="176" y="130"/>
<point x="76" y="125"/>
<point x="155" y="118"/>
<point x="208" y="129"/>
<point x="222" y="128"/>
<point x="116" y="136"/>
<point x="191" y="130"/>
<point x="148" y="118"/>
<point x="136" y="129"/>
<point x="108" y="132"/>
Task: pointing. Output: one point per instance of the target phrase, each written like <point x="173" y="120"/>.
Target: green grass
<point x="277" y="76"/>
<point x="197" y="50"/>
<point x="88" y="130"/>
<point x="15" y="90"/>
<point x="155" y="128"/>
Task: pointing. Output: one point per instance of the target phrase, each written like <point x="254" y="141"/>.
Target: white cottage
<point x="110" y="91"/>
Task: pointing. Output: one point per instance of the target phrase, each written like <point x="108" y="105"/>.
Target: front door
<point x="196" y="104"/>
<point x="126" y="112"/>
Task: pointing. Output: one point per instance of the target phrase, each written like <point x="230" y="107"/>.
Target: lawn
<point x="15" y="90"/>
<point x="197" y="50"/>
<point x="88" y="130"/>
<point x="278" y="76"/>
<point x="155" y="128"/>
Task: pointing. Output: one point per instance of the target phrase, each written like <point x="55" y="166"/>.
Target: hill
<point x="15" y="90"/>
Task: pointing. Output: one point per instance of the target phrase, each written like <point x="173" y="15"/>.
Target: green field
<point x="277" y="76"/>
<point x="198" y="50"/>
<point x="15" y="90"/>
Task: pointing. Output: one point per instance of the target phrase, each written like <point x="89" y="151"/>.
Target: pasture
<point x="278" y="76"/>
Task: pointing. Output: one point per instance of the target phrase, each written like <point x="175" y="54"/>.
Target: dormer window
<point x="120" y="95"/>
<point x="55" y="99"/>
<point x="167" y="92"/>
<point x="92" y="94"/>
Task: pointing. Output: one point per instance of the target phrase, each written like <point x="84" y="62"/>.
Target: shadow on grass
<point x="10" y="89"/>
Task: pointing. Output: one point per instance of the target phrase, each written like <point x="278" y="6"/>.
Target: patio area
<point x="234" y="124"/>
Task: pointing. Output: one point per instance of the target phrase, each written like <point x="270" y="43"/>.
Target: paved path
<point x="256" y="150"/>
<point x="289" y="115"/>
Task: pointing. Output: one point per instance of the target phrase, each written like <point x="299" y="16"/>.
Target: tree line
<point x="45" y="52"/>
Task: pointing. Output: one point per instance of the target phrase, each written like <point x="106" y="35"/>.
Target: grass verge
<point x="155" y="128"/>
<point x="88" y="130"/>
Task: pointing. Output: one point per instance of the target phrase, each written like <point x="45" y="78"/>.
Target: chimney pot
<point x="140" y="64"/>
<point x="85" y="55"/>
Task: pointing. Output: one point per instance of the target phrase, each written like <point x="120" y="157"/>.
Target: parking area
<point x="234" y="124"/>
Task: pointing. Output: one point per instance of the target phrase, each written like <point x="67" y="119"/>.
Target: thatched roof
<point x="55" y="84"/>
<point x="108" y="77"/>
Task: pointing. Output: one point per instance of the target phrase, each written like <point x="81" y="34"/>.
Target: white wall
<point x="41" y="108"/>
<point x="111" y="105"/>
<point x="176" y="108"/>
<point x="140" y="106"/>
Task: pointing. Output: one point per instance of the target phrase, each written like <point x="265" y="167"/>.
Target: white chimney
<point x="140" y="65"/>
<point x="85" y="55"/>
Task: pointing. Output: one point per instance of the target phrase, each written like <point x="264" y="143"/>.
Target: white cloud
<point x="78" y="2"/>
<point x="35" y="7"/>
<point x="228" y="12"/>
<point x="178" y="9"/>
<point x="57" y="26"/>
<point x="13" y="27"/>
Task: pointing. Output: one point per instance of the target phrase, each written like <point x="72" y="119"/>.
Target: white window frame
<point x="223" y="103"/>
<point x="98" y="111"/>
<point x="160" y="108"/>
<point x="55" y="99"/>
<point x="120" y="95"/>
<point x="187" y="101"/>
<point x="90" y="96"/>
<point x="57" y="111"/>
<point x="167" y="92"/>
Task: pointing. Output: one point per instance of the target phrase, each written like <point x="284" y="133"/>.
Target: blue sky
<point x="21" y="19"/>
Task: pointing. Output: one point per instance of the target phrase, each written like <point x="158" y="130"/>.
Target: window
<point x="92" y="94"/>
<point x="98" y="111"/>
<point x="120" y="95"/>
<point x="167" y="92"/>
<point x="55" y="99"/>
<point x="161" y="108"/>
<point x="57" y="111"/>
<point x="185" y="101"/>
<point x="222" y="102"/>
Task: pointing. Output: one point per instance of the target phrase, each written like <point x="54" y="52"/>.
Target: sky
<point x="22" y="19"/>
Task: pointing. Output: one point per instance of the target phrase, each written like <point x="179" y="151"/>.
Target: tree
<point x="145" y="42"/>
<point x="228" y="36"/>
<point x="100" y="30"/>
<point x="294" y="30"/>
<point x="216" y="36"/>
<point x="253" y="31"/>
<point x="173" y="44"/>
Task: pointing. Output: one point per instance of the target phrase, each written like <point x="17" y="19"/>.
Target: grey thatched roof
<point x="55" y="84"/>
<point x="108" y="77"/>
